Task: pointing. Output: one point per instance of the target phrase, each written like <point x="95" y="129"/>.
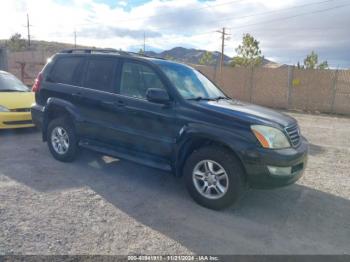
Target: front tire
<point x="214" y="177"/>
<point x="62" y="140"/>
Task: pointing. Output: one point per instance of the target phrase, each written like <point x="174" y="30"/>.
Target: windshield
<point x="9" y="83"/>
<point x="190" y="83"/>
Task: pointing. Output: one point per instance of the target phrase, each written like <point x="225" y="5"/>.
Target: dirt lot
<point x="99" y="205"/>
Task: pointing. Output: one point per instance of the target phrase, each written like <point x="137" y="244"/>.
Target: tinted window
<point x="99" y="74"/>
<point x="64" y="70"/>
<point x="137" y="78"/>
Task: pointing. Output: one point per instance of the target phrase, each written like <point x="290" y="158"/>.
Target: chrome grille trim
<point x="293" y="133"/>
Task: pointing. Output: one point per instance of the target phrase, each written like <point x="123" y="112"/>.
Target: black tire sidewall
<point x="72" y="152"/>
<point x="232" y="167"/>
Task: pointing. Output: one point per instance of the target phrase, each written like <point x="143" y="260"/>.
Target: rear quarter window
<point x="65" y="70"/>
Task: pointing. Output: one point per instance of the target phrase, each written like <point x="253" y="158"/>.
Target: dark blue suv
<point x="165" y="115"/>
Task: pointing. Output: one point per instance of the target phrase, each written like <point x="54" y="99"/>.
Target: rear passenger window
<point x="100" y="74"/>
<point x="64" y="70"/>
<point x="137" y="78"/>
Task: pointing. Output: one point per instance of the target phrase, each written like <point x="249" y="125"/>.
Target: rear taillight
<point x="37" y="83"/>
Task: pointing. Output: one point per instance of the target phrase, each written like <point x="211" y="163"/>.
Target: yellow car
<point x="15" y="102"/>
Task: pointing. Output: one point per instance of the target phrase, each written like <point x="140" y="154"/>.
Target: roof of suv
<point x="115" y="52"/>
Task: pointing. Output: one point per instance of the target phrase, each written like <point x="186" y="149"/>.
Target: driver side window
<point x="137" y="78"/>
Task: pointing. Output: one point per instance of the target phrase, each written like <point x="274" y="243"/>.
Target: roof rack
<point x="106" y="51"/>
<point x="94" y="50"/>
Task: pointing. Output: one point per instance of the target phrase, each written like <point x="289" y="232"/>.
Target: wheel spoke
<point x="219" y="172"/>
<point x="211" y="166"/>
<point x="199" y="175"/>
<point x="207" y="190"/>
<point x="206" y="166"/>
<point x="219" y="188"/>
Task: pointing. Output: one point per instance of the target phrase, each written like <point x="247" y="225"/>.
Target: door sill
<point x="127" y="154"/>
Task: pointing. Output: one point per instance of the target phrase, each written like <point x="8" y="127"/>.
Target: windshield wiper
<point x="198" y="98"/>
<point x="221" y="97"/>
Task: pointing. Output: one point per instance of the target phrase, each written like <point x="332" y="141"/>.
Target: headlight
<point x="270" y="137"/>
<point x="3" y="109"/>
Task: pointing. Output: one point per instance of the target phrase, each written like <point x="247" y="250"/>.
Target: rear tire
<point x="214" y="177"/>
<point x="62" y="140"/>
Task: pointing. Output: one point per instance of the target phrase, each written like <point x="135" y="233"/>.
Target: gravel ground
<point x="100" y="205"/>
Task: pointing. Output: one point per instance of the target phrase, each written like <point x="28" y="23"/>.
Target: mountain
<point x="188" y="55"/>
<point x="193" y="56"/>
<point x="182" y="54"/>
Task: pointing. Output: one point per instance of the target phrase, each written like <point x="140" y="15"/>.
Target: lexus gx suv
<point x="168" y="116"/>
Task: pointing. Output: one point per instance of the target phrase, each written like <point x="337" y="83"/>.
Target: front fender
<point x="238" y="140"/>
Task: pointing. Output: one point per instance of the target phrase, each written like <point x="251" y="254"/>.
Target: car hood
<point x="13" y="100"/>
<point x="251" y="113"/>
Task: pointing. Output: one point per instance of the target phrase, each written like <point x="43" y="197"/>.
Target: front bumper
<point x="256" y="164"/>
<point x="15" y="120"/>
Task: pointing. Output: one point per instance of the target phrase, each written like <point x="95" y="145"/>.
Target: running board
<point x="143" y="159"/>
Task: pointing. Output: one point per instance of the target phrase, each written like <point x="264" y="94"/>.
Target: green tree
<point x="141" y="52"/>
<point x="311" y="62"/>
<point x="323" y="65"/>
<point x="16" y="43"/>
<point x="248" y="53"/>
<point x="169" y="57"/>
<point x="206" y="59"/>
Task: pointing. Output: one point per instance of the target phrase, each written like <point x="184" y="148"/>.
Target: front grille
<point x="293" y="134"/>
<point x="20" y="110"/>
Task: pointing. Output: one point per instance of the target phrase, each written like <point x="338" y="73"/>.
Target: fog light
<point x="280" y="171"/>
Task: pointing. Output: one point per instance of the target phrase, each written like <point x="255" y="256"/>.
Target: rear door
<point x="96" y="96"/>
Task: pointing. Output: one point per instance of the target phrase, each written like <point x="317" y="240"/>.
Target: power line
<point x="282" y="18"/>
<point x="271" y="12"/>
<point x="144" y="42"/>
<point x="223" y="39"/>
<point x="298" y="15"/>
<point x="75" y="39"/>
<point x="257" y="14"/>
<point x="28" y="30"/>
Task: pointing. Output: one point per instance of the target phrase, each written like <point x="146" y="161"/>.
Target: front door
<point x="147" y="127"/>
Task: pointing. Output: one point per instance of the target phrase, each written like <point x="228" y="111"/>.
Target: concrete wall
<point x="326" y="91"/>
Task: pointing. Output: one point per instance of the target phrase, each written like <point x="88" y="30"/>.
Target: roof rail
<point x="94" y="50"/>
<point x="106" y="51"/>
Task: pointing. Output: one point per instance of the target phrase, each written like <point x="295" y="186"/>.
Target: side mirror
<point x="157" y="95"/>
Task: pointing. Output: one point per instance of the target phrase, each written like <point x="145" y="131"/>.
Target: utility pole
<point x="144" y="42"/>
<point x="223" y="39"/>
<point x="28" y="29"/>
<point x="75" y="39"/>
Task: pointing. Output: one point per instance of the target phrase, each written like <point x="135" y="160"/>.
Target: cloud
<point x="112" y="32"/>
<point x="190" y="23"/>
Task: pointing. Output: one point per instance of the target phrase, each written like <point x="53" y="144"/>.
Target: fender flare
<point x="62" y="105"/>
<point x="187" y="134"/>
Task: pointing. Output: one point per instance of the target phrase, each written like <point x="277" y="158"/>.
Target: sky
<point x="287" y="30"/>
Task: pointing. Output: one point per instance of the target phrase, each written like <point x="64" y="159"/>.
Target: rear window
<point x="65" y="69"/>
<point x="100" y="74"/>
